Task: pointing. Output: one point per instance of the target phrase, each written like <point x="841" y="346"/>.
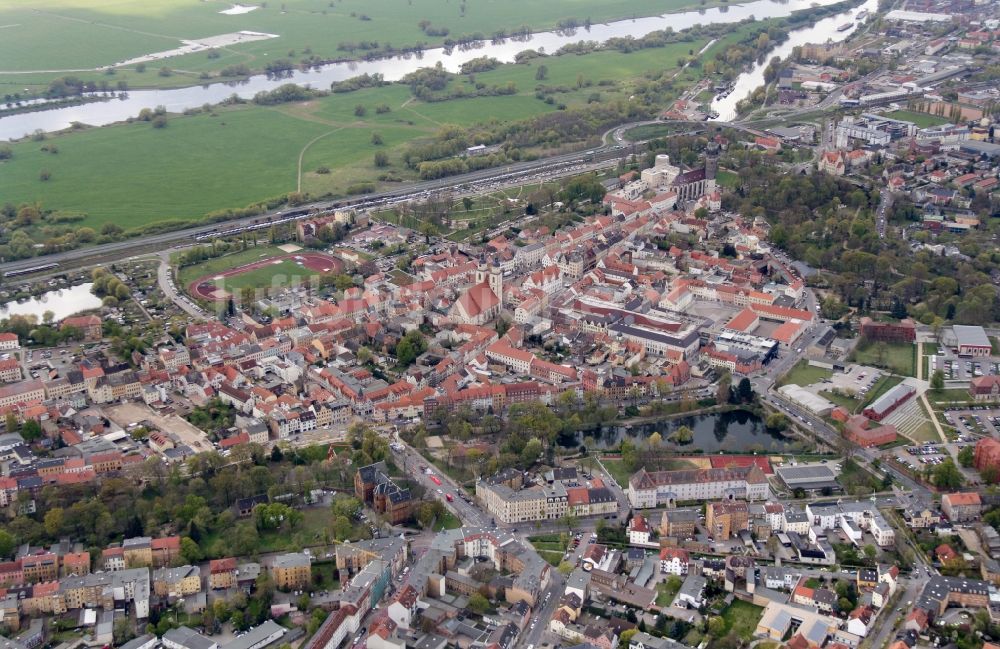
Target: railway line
<point x="611" y="150"/>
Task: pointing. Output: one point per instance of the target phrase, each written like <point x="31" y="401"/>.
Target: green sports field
<point x="52" y="38"/>
<point x="277" y="275"/>
<point x="922" y="120"/>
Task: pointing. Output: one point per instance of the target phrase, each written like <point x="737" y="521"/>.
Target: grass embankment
<point x="60" y="37"/>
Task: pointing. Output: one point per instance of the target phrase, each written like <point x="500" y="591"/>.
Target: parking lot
<point x="39" y="362"/>
<point x="963" y="369"/>
<point x="856" y="381"/>
<point x="919" y="457"/>
<point x="972" y="423"/>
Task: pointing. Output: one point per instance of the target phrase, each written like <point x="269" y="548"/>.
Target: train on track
<point x="31" y="269"/>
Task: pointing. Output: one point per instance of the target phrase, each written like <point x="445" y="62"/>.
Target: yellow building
<point x="177" y="582"/>
<point x="292" y="571"/>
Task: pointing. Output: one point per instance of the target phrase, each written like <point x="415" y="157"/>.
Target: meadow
<point x="53" y="38"/>
<point x="134" y="174"/>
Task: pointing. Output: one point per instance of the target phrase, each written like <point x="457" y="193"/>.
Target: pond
<point x="736" y="431"/>
<point x="62" y="303"/>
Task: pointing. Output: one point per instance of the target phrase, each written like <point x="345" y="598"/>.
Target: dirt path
<point x="422" y="116"/>
<point x="302" y="153"/>
<point x="934" y="419"/>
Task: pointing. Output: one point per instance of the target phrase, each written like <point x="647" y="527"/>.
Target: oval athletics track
<point x="206" y="289"/>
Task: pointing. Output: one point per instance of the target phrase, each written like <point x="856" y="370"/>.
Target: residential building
<point x="176" y="582"/>
<point x="962" y="507"/>
<point x="88" y="325"/>
<point x="222" y="573"/>
<point x="292" y="571"/>
<point x="726" y="519"/>
<point x="674" y="561"/>
<point x="374" y="487"/>
<point x="638" y="530"/>
<point x="985" y="388"/>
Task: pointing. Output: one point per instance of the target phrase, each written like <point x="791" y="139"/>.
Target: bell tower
<point x="481" y="270"/>
<point x="496" y="281"/>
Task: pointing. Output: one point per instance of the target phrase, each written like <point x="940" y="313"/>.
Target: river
<point x="62" y="303"/>
<point x="822" y="31"/>
<point x="180" y="99"/>
<point x="737" y="431"/>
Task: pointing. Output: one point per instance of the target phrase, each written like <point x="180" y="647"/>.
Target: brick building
<point x="987" y="454"/>
<point x="904" y="331"/>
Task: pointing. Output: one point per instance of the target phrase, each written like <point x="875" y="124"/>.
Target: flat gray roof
<point x="971" y="335"/>
<point x="810" y="474"/>
<point x="255" y="636"/>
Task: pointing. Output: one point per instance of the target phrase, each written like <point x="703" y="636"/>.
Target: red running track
<point x="205" y="288"/>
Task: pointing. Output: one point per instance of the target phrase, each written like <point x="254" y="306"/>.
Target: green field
<point x="727" y="179"/>
<point x="553" y="558"/>
<point x="896" y="357"/>
<point x="550" y="547"/>
<point x="315" y="529"/>
<point x="617" y="470"/>
<point x="52" y="38"/>
<point x="922" y="120"/>
<point x="803" y="374"/>
<point x="844" y="401"/>
<point x="134" y="174"/>
<point x="957" y="395"/>
<point x="741" y="618"/>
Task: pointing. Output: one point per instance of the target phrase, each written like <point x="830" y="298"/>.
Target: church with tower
<point x="688" y="184"/>
<point x="482" y="301"/>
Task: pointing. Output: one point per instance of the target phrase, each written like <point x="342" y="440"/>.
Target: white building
<point x="652" y="489"/>
<point x="638" y="530"/>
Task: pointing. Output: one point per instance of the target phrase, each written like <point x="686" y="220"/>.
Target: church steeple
<point x="496" y="281"/>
